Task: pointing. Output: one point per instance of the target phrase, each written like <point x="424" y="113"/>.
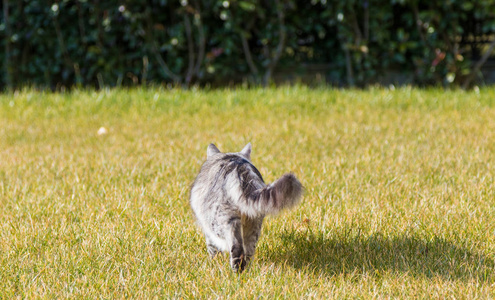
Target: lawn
<point x="399" y="198"/>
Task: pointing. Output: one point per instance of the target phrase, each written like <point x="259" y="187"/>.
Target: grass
<point x="399" y="195"/>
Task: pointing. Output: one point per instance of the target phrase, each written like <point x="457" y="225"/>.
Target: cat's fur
<point x="230" y="200"/>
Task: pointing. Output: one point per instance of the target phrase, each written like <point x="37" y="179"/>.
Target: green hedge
<point x="126" y="42"/>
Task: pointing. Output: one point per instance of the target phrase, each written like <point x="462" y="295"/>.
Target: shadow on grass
<point x="375" y="254"/>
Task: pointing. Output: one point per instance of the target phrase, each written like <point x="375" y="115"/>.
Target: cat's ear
<point x="246" y="151"/>
<point x="212" y="149"/>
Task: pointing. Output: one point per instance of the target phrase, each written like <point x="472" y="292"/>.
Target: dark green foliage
<point x="111" y="43"/>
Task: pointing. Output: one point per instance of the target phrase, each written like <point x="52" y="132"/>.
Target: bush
<point x="113" y="43"/>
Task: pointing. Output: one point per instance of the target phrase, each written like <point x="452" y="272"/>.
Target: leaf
<point x="467" y="6"/>
<point x="247" y="6"/>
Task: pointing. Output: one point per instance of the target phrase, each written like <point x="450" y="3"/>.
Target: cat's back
<point x="208" y="182"/>
<point x="222" y="173"/>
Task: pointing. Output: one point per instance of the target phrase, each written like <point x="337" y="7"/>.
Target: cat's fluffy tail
<point x="284" y="193"/>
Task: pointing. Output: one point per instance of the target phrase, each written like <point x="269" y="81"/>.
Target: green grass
<point x="399" y="198"/>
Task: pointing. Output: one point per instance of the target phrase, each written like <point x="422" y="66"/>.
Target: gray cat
<point x="230" y="200"/>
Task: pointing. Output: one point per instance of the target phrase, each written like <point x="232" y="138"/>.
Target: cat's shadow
<point x="374" y="254"/>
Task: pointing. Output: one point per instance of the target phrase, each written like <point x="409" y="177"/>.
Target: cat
<point x="230" y="200"/>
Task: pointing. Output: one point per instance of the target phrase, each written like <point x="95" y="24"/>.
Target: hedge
<point x="112" y="43"/>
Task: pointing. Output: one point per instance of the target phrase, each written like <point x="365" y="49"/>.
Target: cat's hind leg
<point x="251" y="230"/>
<point x="237" y="258"/>
<point x="211" y="248"/>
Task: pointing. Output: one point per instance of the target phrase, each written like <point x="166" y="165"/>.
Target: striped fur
<point x="230" y="200"/>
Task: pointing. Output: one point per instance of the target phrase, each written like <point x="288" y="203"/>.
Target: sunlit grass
<point x="399" y="198"/>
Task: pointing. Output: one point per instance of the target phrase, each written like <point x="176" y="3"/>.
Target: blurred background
<point x="96" y="43"/>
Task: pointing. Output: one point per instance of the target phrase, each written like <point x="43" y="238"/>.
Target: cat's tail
<point x="283" y="193"/>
